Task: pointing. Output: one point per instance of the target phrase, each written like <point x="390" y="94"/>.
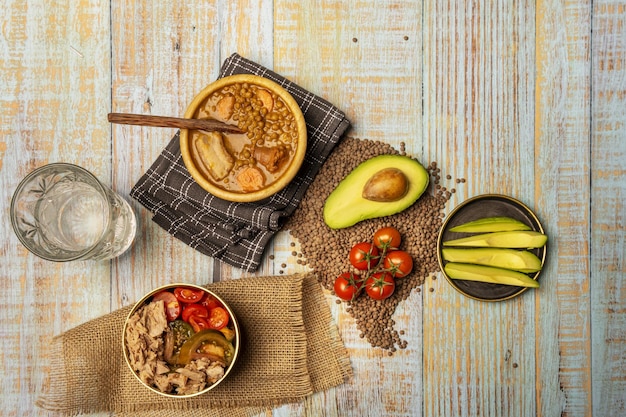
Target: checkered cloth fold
<point x="237" y="233"/>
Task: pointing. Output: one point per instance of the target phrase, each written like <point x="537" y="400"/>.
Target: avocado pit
<point x="386" y="185"/>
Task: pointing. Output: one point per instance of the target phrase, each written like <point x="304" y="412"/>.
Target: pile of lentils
<point x="327" y="251"/>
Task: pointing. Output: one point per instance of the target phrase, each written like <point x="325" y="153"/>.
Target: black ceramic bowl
<point x="487" y="205"/>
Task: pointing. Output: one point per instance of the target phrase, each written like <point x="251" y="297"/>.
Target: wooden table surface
<point x="526" y="99"/>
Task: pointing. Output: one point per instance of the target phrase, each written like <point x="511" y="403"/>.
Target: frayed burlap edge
<point x="310" y="314"/>
<point x="316" y="311"/>
<point x="58" y="400"/>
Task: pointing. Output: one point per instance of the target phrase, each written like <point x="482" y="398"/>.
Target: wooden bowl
<point x="199" y="108"/>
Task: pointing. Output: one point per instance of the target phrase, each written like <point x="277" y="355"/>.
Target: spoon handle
<point x="164" y="121"/>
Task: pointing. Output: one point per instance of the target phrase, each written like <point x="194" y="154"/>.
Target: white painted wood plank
<point x="562" y="198"/>
<point x="479" y="357"/>
<point x="54" y="67"/>
<point x="608" y="194"/>
<point x="365" y="58"/>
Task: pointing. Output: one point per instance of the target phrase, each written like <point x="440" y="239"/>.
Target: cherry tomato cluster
<point x="194" y="306"/>
<point x="379" y="262"/>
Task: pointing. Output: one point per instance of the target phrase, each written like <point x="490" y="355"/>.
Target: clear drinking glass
<point x="61" y="212"/>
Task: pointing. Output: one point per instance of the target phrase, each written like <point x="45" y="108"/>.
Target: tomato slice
<point x="172" y="306"/>
<point x="198" y="323"/>
<point x="188" y="295"/>
<point x="209" y="301"/>
<point x="194" y="310"/>
<point x="218" y="318"/>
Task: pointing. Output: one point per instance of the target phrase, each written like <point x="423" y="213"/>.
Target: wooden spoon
<point x="164" y="121"/>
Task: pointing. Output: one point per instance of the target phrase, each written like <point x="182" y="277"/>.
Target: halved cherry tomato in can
<point x="218" y="318"/>
<point x="172" y="306"/>
<point x="209" y="301"/>
<point x="194" y="310"/>
<point x="198" y="323"/>
<point x="188" y="295"/>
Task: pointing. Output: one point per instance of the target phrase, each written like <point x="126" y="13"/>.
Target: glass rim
<point x="26" y="180"/>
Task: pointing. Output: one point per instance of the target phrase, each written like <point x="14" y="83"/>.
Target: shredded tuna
<point x="145" y="343"/>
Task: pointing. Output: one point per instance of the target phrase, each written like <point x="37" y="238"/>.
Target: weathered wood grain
<point x="164" y="54"/>
<point x="562" y="192"/>
<point x="479" y="358"/>
<point x="608" y="211"/>
<point x="54" y="95"/>
<point x="365" y="58"/>
<point x="521" y="98"/>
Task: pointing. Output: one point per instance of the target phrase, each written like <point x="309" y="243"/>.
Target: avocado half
<point x="345" y="206"/>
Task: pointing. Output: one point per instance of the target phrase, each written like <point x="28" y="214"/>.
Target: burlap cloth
<point x="290" y="349"/>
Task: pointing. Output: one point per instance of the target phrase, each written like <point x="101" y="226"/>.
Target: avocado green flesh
<point x="516" y="260"/>
<point x="488" y="274"/>
<point x="345" y="206"/>
<point x="516" y="239"/>
<point x="491" y="224"/>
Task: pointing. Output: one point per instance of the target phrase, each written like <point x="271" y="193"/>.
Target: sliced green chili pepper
<point x="207" y="343"/>
<point x="177" y="334"/>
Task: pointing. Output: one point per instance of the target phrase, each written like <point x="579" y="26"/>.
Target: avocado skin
<point x="345" y="206"/>
<point x="516" y="239"/>
<point x="517" y="260"/>
<point x="491" y="224"/>
<point x="488" y="274"/>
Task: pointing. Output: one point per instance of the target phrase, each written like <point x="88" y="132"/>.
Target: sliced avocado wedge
<point x="488" y="274"/>
<point x="491" y="224"/>
<point x="346" y="205"/>
<point x="517" y="239"/>
<point x="517" y="260"/>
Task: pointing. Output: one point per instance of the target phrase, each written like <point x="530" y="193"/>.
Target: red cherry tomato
<point x="388" y="238"/>
<point x="172" y="306"/>
<point x="364" y="256"/>
<point x="380" y="285"/>
<point x="347" y="286"/>
<point x="188" y="295"/>
<point x="210" y="301"/>
<point x="218" y="318"/>
<point x="399" y="263"/>
<point x="198" y="323"/>
<point x="194" y="310"/>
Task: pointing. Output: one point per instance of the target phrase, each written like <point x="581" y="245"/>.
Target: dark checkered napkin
<point x="237" y="233"/>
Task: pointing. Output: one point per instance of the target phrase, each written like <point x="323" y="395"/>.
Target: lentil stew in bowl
<point x="255" y="164"/>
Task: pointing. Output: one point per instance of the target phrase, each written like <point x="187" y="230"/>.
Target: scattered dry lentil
<point x="326" y="250"/>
